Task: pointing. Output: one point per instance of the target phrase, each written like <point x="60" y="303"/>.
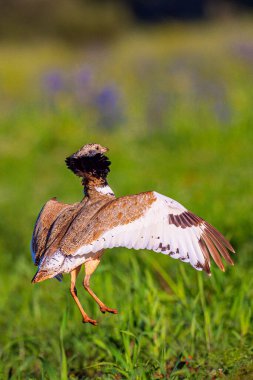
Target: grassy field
<point x="174" y="105"/>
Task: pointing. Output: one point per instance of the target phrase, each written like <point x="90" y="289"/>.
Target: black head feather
<point x="97" y="165"/>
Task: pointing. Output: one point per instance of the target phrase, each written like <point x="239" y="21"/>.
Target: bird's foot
<point x="89" y="320"/>
<point x="103" y="309"/>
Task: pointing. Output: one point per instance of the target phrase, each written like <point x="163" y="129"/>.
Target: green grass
<point x="184" y="130"/>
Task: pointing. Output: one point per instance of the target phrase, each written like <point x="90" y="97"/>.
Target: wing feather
<point x="46" y="218"/>
<point x="155" y="222"/>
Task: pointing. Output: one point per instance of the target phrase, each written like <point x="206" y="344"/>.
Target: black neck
<point x="96" y="166"/>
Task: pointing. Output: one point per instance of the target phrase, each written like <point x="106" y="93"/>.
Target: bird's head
<point x="89" y="161"/>
<point x="90" y="150"/>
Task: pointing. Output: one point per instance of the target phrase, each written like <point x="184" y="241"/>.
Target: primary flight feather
<point x="66" y="236"/>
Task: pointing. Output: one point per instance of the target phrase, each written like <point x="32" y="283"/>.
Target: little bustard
<point x="66" y="236"/>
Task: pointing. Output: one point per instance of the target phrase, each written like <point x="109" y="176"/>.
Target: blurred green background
<point x="171" y="95"/>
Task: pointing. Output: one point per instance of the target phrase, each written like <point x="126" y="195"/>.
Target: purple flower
<point x="81" y="90"/>
<point x="107" y="102"/>
<point x="53" y="81"/>
<point x="82" y="85"/>
<point x="107" y="99"/>
<point x="83" y="77"/>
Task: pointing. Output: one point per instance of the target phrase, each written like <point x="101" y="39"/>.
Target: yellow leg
<point x="74" y="274"/>
<point x="90" y="267"/>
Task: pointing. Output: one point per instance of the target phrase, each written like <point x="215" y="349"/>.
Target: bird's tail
<point x="59" y="277"/>
<point x="49" y="267"/>
<point x="42" y="275"/>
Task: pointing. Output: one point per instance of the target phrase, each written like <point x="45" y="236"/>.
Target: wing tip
<point x="217" y="246"/>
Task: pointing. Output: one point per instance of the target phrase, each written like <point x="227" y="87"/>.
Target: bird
<point x="67" y="236"/>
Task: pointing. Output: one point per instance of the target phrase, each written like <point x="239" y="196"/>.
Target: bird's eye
<point x="97" y="148"/>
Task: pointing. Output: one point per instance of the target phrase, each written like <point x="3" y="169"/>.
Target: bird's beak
<point x="104" y="149"/>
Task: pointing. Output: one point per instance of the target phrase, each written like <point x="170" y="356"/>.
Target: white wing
<point x="155" y="222"/>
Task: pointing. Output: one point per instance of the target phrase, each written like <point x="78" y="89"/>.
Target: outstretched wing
<point x="155" y="222"/>
<point x="46" y="218"/>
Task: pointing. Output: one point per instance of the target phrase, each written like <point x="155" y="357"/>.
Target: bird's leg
<point x="73" y="291"/>
<point x="90" y="267"/>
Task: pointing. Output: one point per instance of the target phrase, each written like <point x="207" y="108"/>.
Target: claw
<point x="104" y="309"/>
<point x="91" y="321"/>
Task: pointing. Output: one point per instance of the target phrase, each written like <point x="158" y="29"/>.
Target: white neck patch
<point x="106" y="190"/>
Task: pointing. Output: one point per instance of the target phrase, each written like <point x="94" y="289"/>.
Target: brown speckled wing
<point x="108" y="215"/>
<point x="149" y="221"/>
<point x="46" y="218"/>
